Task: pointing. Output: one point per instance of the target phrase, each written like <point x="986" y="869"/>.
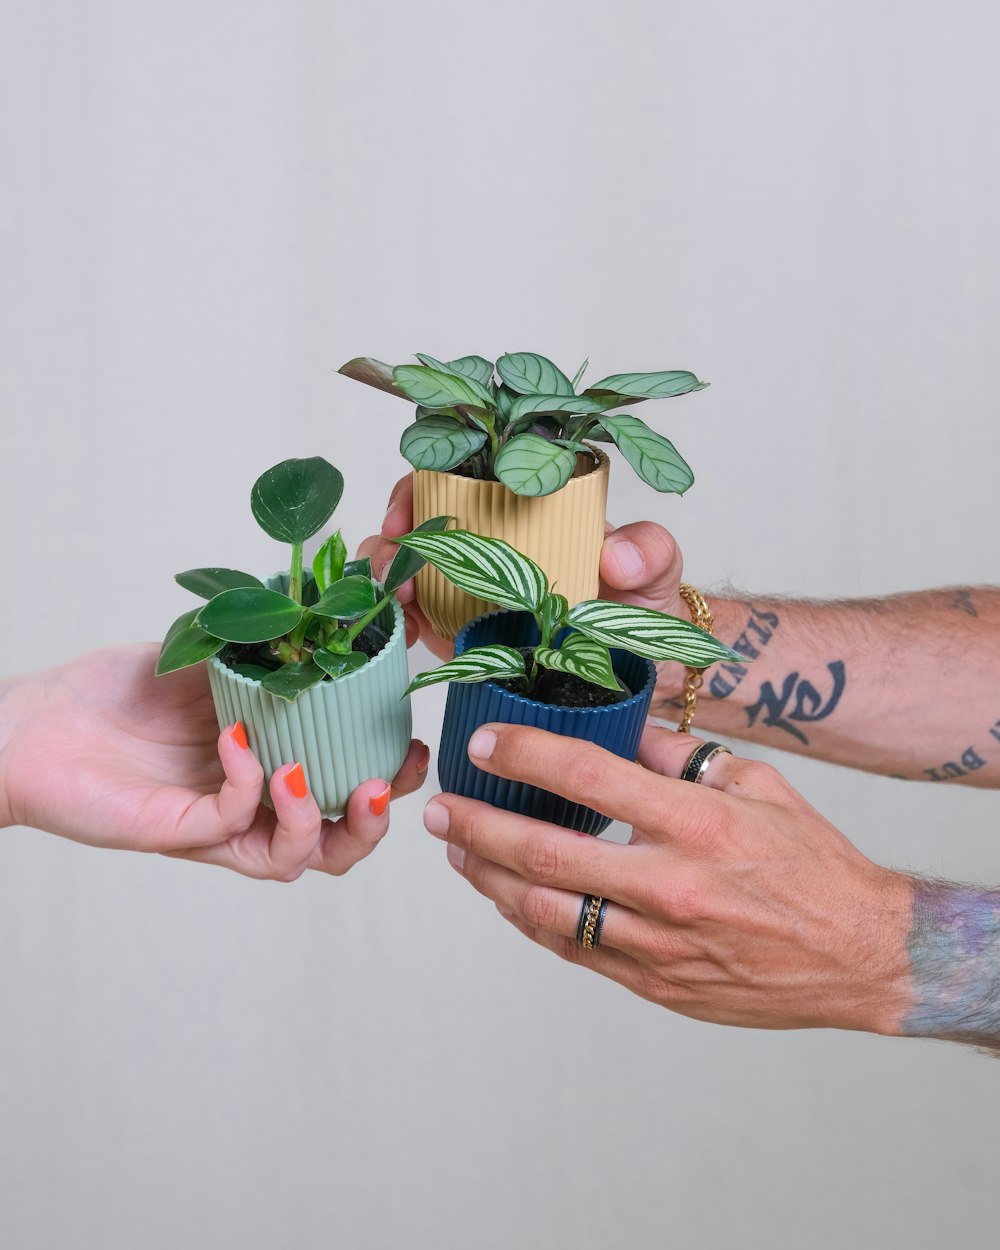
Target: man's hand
<point x="734" y="902"/>
<point x="102" y="752"/>
<point x="640" y="563"/>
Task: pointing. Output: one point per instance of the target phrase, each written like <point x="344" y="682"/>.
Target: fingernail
<point x="295" y="780"/>
<point x="482" y="743"/>
<point x="456" y="856"/>
<point x="239" y="736"/>
<point x="629" y="558"/>
<point x="380" y="802"/>
<point x="436" y="818"/>
<point x="507" y="915"/>
<point x="423" y="759"/>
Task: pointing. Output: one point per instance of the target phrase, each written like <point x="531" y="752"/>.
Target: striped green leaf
<point x="659" y="385"/>
<point x="487" y="568"/>
<point x="526" y="406"/>
<point x="433" y="388"/>
<point x="531" y="374"/>
<point x="346" y="600"/>
<point x="249" y="615"/>
<point x="329" y="561"/>
<point x="294" y="499"/>
<point x="439" y="443"/>
<point x="645" y="632"/>
<point x="553" y="614"/>
<point x="655" y="459"/>
<point x="290" y="680"/>
<point x="529" y="464"/>
<point x="584" y="658"/>
<point x="474" y="367"/>
<point x="478" y="664"/>
<point x="212" y="581"/>
<point x="186" y="644"/>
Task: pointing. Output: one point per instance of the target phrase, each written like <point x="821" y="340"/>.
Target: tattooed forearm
<point x="964" y="602"/>
<point x="969" y="761"/>
<point x="954" y="953"/>
<point x="807" y="704"/>
<point x="757" y="633"/>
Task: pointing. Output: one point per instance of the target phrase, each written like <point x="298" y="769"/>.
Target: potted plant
<point x="584" y="671"/>
<point x="311" y="660"/>
<point x="506" y="449"/>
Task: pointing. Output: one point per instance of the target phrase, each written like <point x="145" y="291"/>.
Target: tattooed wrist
<point x="954" y="955"/>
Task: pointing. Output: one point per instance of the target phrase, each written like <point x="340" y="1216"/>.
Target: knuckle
<point x="540" y="909"/>
<point x="539" y="860"/>
<point x="587" y="772"/>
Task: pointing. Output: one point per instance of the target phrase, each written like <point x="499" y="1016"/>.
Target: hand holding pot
<point x="102" y="752"/>
<point x="734" y="902"/>
<point x="640" y="563"/>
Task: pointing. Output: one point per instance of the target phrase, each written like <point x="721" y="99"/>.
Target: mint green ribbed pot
<point x="342" y="732"/>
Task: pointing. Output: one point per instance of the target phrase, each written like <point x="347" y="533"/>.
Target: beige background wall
<point x="205" y="208"/>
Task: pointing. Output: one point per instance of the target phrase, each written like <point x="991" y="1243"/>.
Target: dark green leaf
<point x="487" y="568"/>
<point x="186" y="644"/>
<point x="478" y="664"/>
<point x="254" y="671"/>
<point x="504" y="397"/>
<point x="329" y="561"/>
<point x="432" y="388"/>
<point x="582" y="657"/>
<point x="660" y="385"/>
<point x="294" y="499"/>
<point x="337" y="641"/>
<point x="337" y="663"/>
<point x="249" y="615"/>
<point x="209" y="582"/>
<point x="656" y="460"/>
<point x="531" y="465"/>
<point x="407" y="563"/>
<point x="290" y="680"/>
<point x="531" y="374"/>
<point x="347" y="599"/>
<point x="362" y="567"/>
<point x="439" y="444"/>
<point x="372" y="373"/>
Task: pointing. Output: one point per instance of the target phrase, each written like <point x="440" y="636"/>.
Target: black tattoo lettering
<point x="807" y="704"/>
<point x="963" y="601"/>
<point x="995" y="731"/>
<point x="726" y="677"/>
<point x="969" y="762"/>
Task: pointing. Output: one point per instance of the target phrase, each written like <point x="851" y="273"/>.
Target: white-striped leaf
<point x="478" y="664"/>
<point x="531" y="374"/>
<point x="553" y="614"/>
<point x="329" y="562"/>
<point x="659" y="385"/>
<point x="584" y="658"/>
<point x="432" y="388"/>
<point x="645" y="632"/>
<point x="439" y="443"/>
<point x="655" y="459"/>
<point x="529" y="464"/>
<point x="487" y="568"/>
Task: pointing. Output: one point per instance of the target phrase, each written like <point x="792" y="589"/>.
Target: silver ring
<point x="697" y="766"/>
<point x="592" y="913"/>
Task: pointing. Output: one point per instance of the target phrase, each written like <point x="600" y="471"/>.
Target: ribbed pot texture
<point x="342" y="732"/>
<point x="562" y="533"/>
<point x="469" y="705"/>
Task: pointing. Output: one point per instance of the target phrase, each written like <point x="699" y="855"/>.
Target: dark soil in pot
<point x="563" y="689"/>
<point x="253" y="659"/>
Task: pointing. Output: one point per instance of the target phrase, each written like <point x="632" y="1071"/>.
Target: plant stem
<point x="295" y="574"/>
<point x="364" y="621"/>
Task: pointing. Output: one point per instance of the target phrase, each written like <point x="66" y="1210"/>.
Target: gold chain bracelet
<point x="701" y="615"/>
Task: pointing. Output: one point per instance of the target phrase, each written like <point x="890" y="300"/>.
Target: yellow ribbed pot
<point x="562" y="532"/>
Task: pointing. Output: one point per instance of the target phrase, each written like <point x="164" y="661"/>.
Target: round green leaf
<point x="210" y="582"/>
<point x="656" y="460"/>
<point x="186" y="644"/>
<point x="530" y="465"/>
<point x="439" y="443"/>
<point x="250" y="615"/>
<point x="347" y="599"/>
<point x="531" y="374"/>
<point x="290" y="680"/>
<point x="294" y="499"/>
<point x="432" y="388"/>
<point x="338" y="663"/>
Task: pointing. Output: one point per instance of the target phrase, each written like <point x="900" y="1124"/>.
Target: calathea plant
<point x="574" y="640"/>
<point x="309" y="631"/>
<point x="523" y="421"/>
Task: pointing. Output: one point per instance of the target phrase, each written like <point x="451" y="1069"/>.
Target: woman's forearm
<point x="907" y="686"/>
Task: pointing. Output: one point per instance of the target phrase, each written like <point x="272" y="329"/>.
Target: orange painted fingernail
<point x="295" y="780"/>
<point x="240" y="736"/>
<point x="380" y="802"/>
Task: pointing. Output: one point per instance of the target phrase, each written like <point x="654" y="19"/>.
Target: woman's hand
<point x="735" y="901"/>
<point x="102" y="752"/>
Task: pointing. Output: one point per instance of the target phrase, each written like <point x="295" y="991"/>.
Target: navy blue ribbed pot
<point x="618" y="728"/>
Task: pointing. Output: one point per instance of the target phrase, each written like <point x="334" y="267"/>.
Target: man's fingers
<point x="609" y="963"/>
<point x="641" y="564"/>
<point x="399" y="514"/>
<point x="358" y="832"/>
<point x="668" y="753"/>
<point x="413" y="770"/>
<point x="382" y="553"/>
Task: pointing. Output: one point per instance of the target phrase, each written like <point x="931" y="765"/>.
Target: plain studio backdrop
<point x="207" y="207"/>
